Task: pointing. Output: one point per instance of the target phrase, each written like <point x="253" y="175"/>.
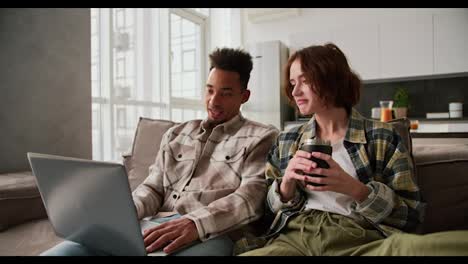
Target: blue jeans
<point x="218" y="246"/>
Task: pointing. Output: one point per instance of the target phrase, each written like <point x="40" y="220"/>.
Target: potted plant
<point x="401" y="102"/>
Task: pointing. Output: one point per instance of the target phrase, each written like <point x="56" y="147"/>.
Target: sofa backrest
<point x="145" y="147"/>
<point x="148" y="137"/>
<point x="441" y="172"/>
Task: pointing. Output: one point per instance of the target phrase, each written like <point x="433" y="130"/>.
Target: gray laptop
<point x="90" y="202"/>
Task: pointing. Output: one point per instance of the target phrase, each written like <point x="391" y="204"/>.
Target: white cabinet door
<point x="305" y="39"/>
<point x="406" y="46"/>
<point x="451" y="43"/>
<point x="360" y="44"/>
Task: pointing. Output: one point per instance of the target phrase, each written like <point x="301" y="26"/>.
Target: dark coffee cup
<point x="317" y="146"/>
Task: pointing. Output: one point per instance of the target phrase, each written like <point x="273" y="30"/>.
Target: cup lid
<point x="316" y="141"/>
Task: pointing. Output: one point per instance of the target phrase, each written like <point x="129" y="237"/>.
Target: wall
<point x="219" y="36"/>
<point x="45" y="89"/>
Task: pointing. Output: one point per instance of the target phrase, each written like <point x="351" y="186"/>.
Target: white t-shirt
<point x="332" y="201"/>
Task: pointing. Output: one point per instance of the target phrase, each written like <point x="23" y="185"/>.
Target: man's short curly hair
<point x="235" y="60"/>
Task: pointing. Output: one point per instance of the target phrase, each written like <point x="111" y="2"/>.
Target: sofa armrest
<point x="127" y="161"/>
<point x="20" y="200"/>
<point x="441" y="175"/>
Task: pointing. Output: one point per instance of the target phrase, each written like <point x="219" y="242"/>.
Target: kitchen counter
<point x="426" y="128"/>
<point x="428" y="133"/>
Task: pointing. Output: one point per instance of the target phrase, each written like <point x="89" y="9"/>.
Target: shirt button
<point x="179" y="156"/>
<point x="174" y="196"/>
<point x="227" y="157"/>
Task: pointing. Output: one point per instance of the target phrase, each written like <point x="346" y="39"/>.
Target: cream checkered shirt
<point x="215" y="179"/>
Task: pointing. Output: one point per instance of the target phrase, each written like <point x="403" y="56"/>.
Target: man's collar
<point x="231" y="125"/>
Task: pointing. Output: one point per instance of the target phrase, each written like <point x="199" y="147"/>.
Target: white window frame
<point x="202" y="21"/>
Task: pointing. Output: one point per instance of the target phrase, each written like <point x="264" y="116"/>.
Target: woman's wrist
<point x="286" y="190"/>
<point x="361" y="192"/>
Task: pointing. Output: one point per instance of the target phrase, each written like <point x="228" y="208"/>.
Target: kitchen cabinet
<point x="305" y="39"/>
<point x="358" y="43"/>
<point x="361" y="47"/>
<point x="267" y="104"/>
<point x="399" y="46"/>
<point x="451" y="42"/>
<point x="406" y="46"/>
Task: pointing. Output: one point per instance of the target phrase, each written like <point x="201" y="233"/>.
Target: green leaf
<point x="401" y="97"/>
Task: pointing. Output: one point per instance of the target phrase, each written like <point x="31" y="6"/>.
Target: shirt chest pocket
<point x="228" y="164"/>
<point x="180" y="160"/>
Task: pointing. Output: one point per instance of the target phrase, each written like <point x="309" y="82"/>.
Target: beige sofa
<point x="441" y="172"/>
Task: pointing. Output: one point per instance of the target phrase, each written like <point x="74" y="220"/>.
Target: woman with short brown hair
<point x="366" y="199"/>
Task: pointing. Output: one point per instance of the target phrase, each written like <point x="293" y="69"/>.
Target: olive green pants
<point x="317" y="233"/>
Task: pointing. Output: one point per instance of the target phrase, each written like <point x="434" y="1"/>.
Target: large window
<point x="148" y="62"/>
<point x="187" y="49"/>
<point x="185" y="58"/>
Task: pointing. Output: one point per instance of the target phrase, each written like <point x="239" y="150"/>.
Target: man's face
<point x="224" y="95"/>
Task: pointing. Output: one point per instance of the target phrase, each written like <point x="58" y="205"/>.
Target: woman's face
<point x="304" y="96"/>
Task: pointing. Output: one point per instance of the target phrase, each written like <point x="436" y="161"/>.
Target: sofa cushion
<point x="20" y="200"/>
<point x="442" y="177"/>
<point x="28" y="239"/>
<point x="146" y="142"/>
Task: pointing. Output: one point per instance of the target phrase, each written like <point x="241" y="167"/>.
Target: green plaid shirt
<point x="382" y="162"/>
